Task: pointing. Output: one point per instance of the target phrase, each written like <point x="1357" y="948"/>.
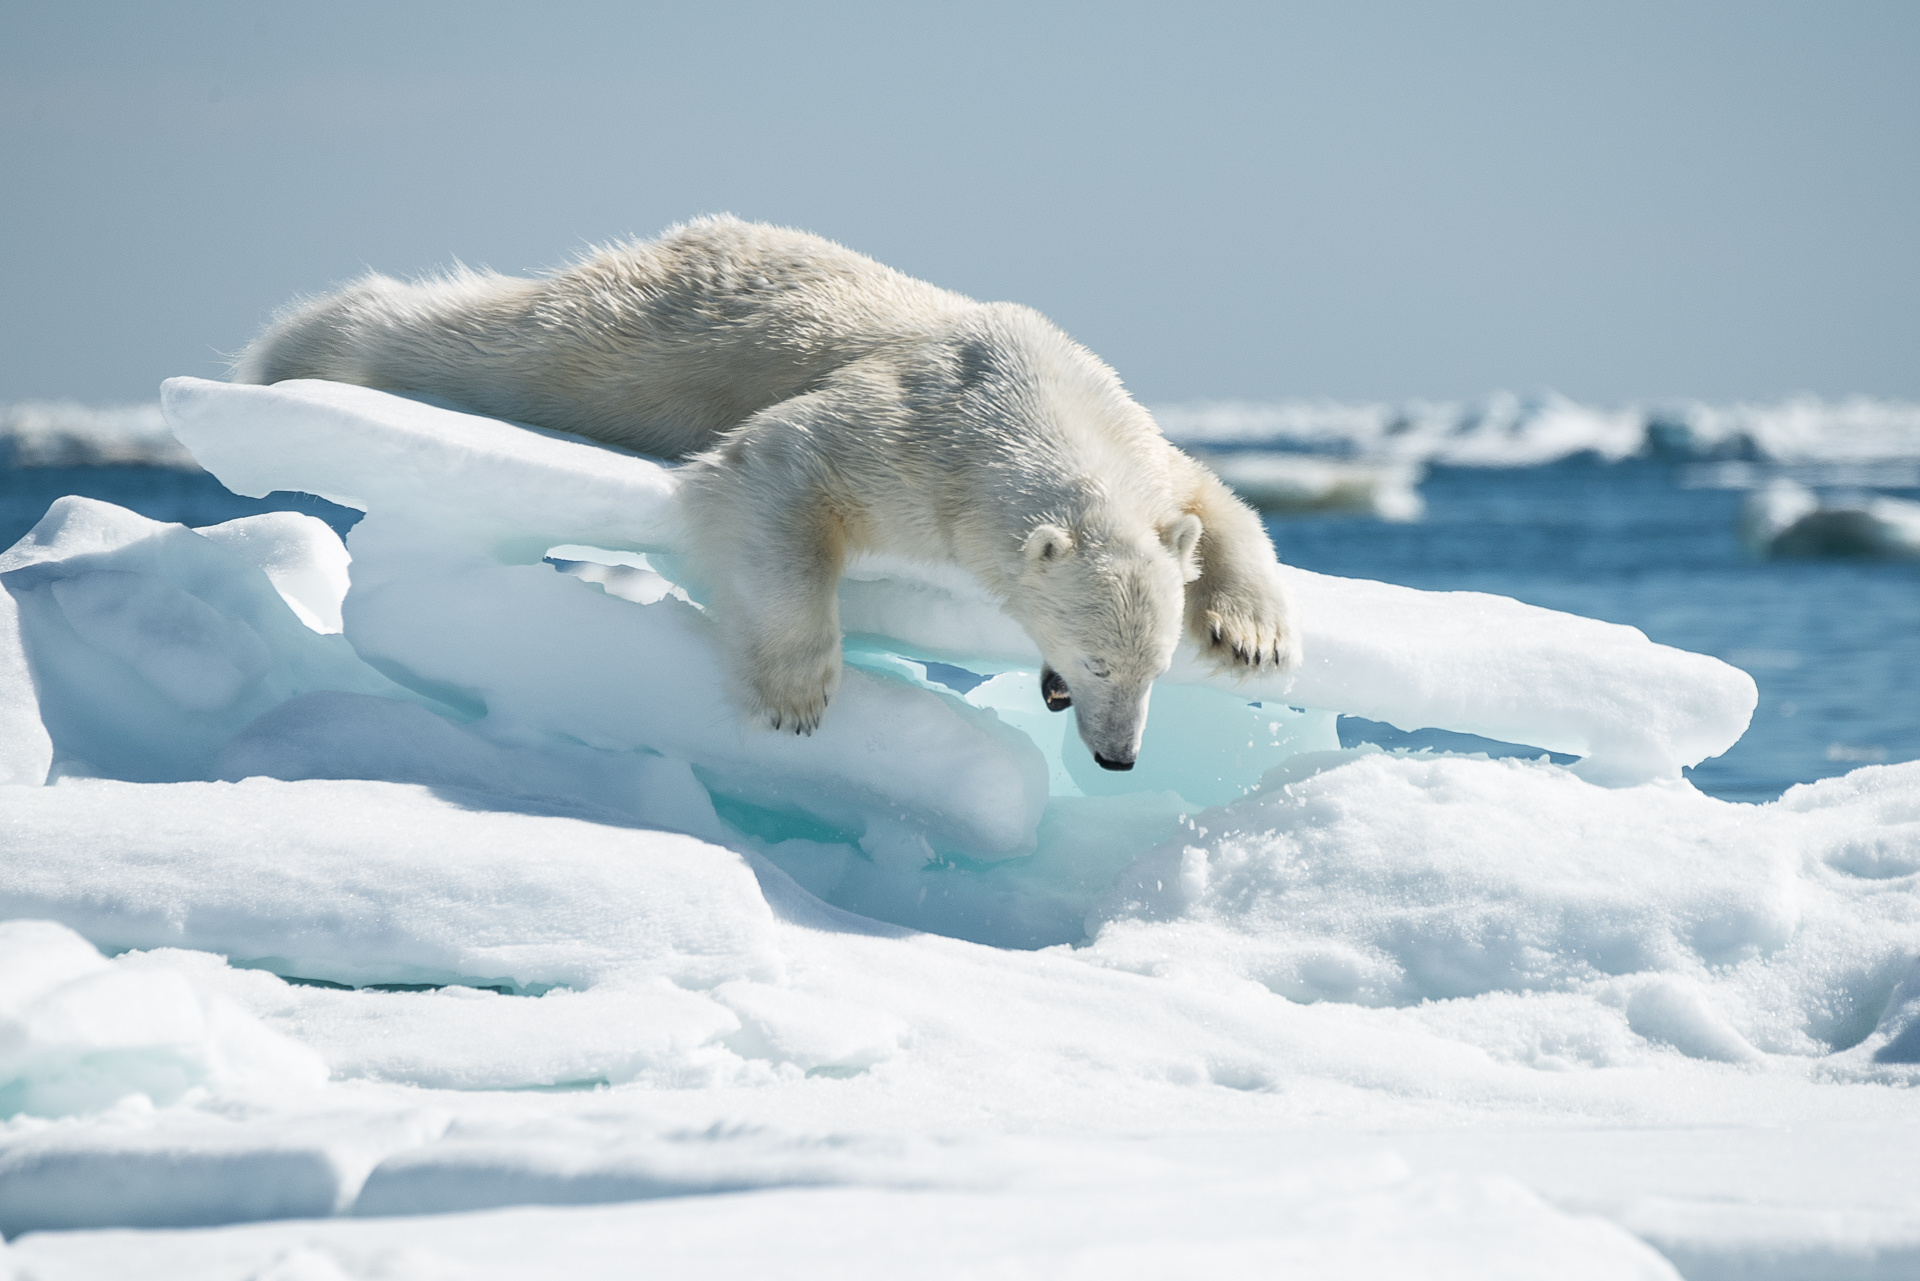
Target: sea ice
<point x="499" y="907"/>
<point x="26" y="749"/>
<point x="151" y="646"/>
<point x="64" y="433"/>
<point x="1787" y="519"/>
<point x="78" y="1035"/>
<point x="1504" y="430"/>
<point x="1292" y="484"/>
<point x="1599" y="957"/>
<point x="458" y="501"/>
<point x="301" y="556"/>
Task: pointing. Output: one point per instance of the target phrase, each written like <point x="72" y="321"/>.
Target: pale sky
<point x="1620" y="201"/>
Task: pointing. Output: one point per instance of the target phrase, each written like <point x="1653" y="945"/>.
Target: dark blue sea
<point x="1833" y="644"/>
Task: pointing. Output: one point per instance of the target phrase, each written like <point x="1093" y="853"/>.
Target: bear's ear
<point x="1183" y="538"/>
<point x="1048" y="543"/>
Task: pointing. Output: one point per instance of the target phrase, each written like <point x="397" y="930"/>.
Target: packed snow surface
<point x="418" y="907"/>
<point x="1683" y="1005"/>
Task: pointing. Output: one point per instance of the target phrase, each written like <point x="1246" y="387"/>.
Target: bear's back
<point x="664" y="344"/>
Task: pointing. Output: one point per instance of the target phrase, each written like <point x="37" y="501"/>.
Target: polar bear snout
<point x="1112" y="719"/>
<point x="1053" y="689"/>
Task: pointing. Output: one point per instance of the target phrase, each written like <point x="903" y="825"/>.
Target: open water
<point x="1834" y="645"/>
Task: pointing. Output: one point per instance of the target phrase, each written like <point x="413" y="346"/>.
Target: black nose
<point x="1054" y="690"/>
<point x="1104" y="763"/>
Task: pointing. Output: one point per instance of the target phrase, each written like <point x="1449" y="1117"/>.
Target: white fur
<point x="832" y="405"/>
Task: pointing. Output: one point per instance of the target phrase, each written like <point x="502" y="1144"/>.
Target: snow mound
<point x="79" y="1034"/>
<point x="359" y="882"/>
<point x="1721" y="930"/>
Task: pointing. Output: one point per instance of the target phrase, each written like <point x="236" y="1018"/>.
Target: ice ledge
<point x="503" y="494"/>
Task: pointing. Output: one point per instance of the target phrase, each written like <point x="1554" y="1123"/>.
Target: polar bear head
<point x="1107" y="610"/>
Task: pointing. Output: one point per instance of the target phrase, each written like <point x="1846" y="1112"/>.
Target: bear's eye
<point x="1096" y="668"/>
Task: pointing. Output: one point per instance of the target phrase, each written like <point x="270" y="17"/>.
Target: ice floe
<point x="1291" y="484"/>
<point x="78" y="1035"/>
<point x="376" y="889"/>
<point x="1504" y="430"/>
<point x="1786" y="519"/>
<point x="64" y="433"/>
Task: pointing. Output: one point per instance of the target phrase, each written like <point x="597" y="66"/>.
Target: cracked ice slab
<point x="500" y="495"/>
<point x="451" y="597"/>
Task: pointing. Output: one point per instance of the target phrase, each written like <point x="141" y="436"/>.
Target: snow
<point x="1029" y="1102"/>
<point x="721" y="1030"/>
<point x="26" y="750"/>
<point x="417" y="907"/>
<point x="1401" y="880"/>
<point x="78" y="1035"/>
<point x="349" y="882"/>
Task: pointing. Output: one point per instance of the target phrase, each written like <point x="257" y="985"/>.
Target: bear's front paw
<point x="792" y="696"/>
<point x="1246" y="633"/>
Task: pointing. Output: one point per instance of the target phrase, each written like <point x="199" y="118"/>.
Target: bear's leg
<point x="781" y="616"/>
<point x="1236" y="610"/>
<point x="770" y="550"/>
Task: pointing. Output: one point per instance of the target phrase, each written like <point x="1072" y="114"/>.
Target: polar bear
<point x="828" y="405"/>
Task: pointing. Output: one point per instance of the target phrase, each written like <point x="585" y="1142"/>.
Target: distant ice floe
<point x="1786" y="519"/>
<point x="1504" y="430"/>
<point x="65" y="433"/>
<point x="1290" y="484"/>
